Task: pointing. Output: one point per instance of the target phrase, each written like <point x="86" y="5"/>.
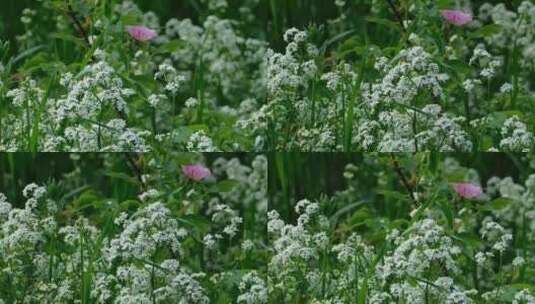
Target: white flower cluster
<point x="231" y="63"/>
<point x="522" y="198"/>
<point x="200" y="142"/>
<point x="486" y="67"/>
<point x="298" y="251"/>
<point x="516" y="30"/>
<point x="293" y="77"/>
<point x="127" y="268"/>
<point x="291" y="70"/>
<point x="249" y="192"/>
<point x="404" y="77"/>
<point x="168" y="74"/>
<point x="76" y="121"/>
<point x="253" y="289"/>
<point x="523" y="297"/>
<point x="426" y="244"/>
<point x="516" y="136"/>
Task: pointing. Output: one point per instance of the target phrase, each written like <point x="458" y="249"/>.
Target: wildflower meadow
<point x="90" y="228"/>
<point x="267" y="151"/>
<point x="401" y="228"/>
<point x="258" y="75"/>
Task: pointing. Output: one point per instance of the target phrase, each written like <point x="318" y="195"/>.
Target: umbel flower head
<point x="196" y="172"/>
<point x="456" y="17"/>
<point x="468" y="190"/>
<point x="141" y="33"/>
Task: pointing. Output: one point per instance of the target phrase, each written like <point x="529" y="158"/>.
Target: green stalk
<point x="2" y="102"/>
<point x="82" y="273"/>
<point x="514" y="93"/>
<point x="153" y="283"/>
<point x="200" y="90"/>
<point x="348" y="126"/>
<point x="313" y="99"/>
<point x="99" y="131"/>
<point x="27" y="124"/>
<point x="41" y="108"/>
<point x="153" y="121"/>
<point x="524" y="246"/>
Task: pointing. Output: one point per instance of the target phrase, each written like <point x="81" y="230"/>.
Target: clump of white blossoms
<point x="424" y="256"/>
<point x="229" y="63"/>
<point x="253" y="289"/>
<point x="147" y="232"/>
<point x="516" y="29"/>
<point x="200" y="142"/>
<point x="80" y="119"/>
<point x="396" y="119"/>
<point x="293" y="77"/>
<point x="516" y="136"/>
<point x="404" y="77"/>
<point x="120" y="275"/>
<point x="90" y="93"/>
<point x="248" y="191"/>
<point x="144" y="250"/>
<point x="427" y="244"/>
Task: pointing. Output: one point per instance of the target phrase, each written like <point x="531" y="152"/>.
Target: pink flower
<point x="456" y="17"/>
<point x="468" y="190"/>
<point x="141" y="33"/>
<point x="196" y="172"/>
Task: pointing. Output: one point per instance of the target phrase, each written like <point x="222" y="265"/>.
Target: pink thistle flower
<point x="468" y="190"/>
<point x="456" y="17"/>
<point x="196" y="172"/>
<point x="141" y="33"/>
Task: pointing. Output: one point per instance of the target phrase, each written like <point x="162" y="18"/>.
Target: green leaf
<point x="170" y="47"/>
<point x="122" y="176"/>
<point x="226" y="185"/>
<point x="381" y="21"/>
<point x="444" y="4"/>
<point x="394" y="195"/>
<point x="129" y="20"/>
<point x="200" y="223"/>
<point x="28" y="53"/>
<point x="457" y="176"/>
<point x="500" y="203"/>
<point x="129" y="205"/>
<point x="346" y="209"/>
<point x="185" y="158"/>
<point x="485" y="31"/>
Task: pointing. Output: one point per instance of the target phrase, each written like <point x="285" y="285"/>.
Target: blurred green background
<point x="316" y="176"/>
<point x="11" y="12"/>
<point x="273" y="17"/>
<point x="110" y="174"/>
<point x="67" y="171"/>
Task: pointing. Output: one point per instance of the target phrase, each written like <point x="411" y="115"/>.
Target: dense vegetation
<point x="424" y="228"/>
<point x="112" y="228"/>
<point x="243" y="75"/>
